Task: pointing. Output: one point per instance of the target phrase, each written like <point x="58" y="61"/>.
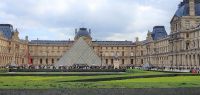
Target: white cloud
<point x="125" y="36"/>
<point x="52" y="7"/>
<point x="62" y="33"/>
<point x="94" y="5"/>
<point x="110" y="19"/>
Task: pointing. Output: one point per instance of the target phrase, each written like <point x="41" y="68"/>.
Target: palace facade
<point x="180" y="49"/>
<point x="12" y="49"/>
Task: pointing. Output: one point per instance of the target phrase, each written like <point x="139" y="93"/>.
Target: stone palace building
<point x="180" y="49"/>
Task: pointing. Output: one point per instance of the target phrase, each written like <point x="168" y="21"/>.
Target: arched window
<point x="131" y="61"/>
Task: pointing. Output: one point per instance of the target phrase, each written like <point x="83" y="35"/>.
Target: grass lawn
<point x="160" y="82"/>
<point x="59" y="82"/>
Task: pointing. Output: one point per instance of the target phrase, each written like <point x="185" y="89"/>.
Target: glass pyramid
<point x="80" y="53"/>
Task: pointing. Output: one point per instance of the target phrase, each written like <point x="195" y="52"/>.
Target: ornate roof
<point x="83" y="32"/>
<point x="159" y="32"/>
<point x="183" y="9"/>
<point x="6" y="30"/>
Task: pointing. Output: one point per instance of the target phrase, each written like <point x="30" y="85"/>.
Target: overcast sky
<point x="108" y="19"/>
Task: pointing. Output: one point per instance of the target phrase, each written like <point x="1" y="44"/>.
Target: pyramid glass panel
<point x="80" y="53"/>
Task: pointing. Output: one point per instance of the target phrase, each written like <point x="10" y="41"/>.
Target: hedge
<point x="4" y="70"/>
<point x="67" y="70"/>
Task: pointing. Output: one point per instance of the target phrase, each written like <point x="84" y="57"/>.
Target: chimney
<point x="192" y="7"/>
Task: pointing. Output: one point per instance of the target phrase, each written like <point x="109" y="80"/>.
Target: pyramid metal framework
<point x="80" y="53"/>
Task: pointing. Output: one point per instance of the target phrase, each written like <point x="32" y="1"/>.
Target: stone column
<point x="175" y="60"/>
<point x="184" y="60"/>
<point x="5" y="60"/>
<point x="158" y="61"/>
<point x="0" y="60"/>
<point x="196" y="60"/>
<point x="198" y="64"/>
<point x="181" y="60"/>
<point x="193" y="61"/>
<point x="188" y="61"/>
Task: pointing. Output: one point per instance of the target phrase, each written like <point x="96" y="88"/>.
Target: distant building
<point x="12" y="49"/>
<point x="180" y="49"/>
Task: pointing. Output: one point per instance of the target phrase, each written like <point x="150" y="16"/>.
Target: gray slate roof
<point x="50" y="42"/>
<point x="183" y="9"/>
<point x="159" y="32"/>
<point x="65" y="42"/>
<point x="83" y="32"/>
<point x="113" y="42"/>
<point x="6" y="30"/>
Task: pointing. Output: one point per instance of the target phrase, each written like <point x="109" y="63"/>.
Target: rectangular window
<point x="132" y="54"/>
<point x="187" y="35"/>
<point x="46" y="61"/>
<point x="131" y="61"/>
<point x="106" y="61"/>
<point x="40" y="61"/>
<point x="52" y="60"/>
<point x="31" y="61"/>
<point x="141" y="53"/>
<point x="122" y="61"/>
<point x="112" y="61"/>
<point x="22" y="60"/>
<point x="187" y="46"/>
<point x="122" y="53"/>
